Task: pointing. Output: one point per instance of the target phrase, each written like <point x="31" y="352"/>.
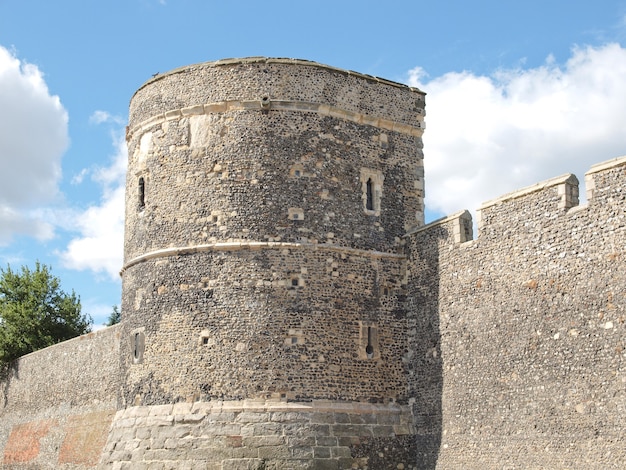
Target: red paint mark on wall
<point x="85" y="438"/>
<point x="24" y="441"/>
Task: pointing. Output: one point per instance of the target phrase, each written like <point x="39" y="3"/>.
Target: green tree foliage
<point x="115" y="317"/>
<point x="35" y="312"/>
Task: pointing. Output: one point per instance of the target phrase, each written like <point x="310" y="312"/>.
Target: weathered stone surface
<point x="292" y="440"/>
<point x="278" y="316"/>
<point x="523" y="329"/>
<point x="57" y="404"/>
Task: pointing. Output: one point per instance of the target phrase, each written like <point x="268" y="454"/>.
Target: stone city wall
<point x="58" y="403"/>
<point x="530" y="318"/>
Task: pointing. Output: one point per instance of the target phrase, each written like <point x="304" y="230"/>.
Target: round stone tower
<point x="266" y="201"/>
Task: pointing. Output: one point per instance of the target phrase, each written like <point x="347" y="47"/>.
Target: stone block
<point x="189" y="418"/>
<point x="262" y="441"/>
<point x="321" y="452"/>
<point x="349" y="441"/>
<point x="324" y="464"/>
<point x="301" y="452"/>
<point x="243" y="464"/>
<point x="161" y="410"/>
<point x="159" y="420"/>
<point x="248" y="417"/>
<point x="309" y="440"/>
<point x="286" y="417"/>
<point x="268" y="429"/>
<point x="352" y="430"/>
<point x="274" y="452"/>
<point x="382" y="431"/>
<point x="323" y="418"/>
<point x="338" y="452"/>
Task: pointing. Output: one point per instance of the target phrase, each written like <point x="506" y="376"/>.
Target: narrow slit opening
<point x="369" y="349"/>
<point x="142" y="193"/>
<point x="369" y="204"/>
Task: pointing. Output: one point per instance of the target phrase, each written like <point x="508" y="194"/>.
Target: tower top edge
<point x="275" y="60"/>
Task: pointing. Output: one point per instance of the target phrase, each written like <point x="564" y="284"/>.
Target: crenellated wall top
<point x="539" y="204"/>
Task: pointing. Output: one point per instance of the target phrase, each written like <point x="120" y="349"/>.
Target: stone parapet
<point x="459" y="227"/>
<point x="547" y="199"/>
<point x="601" y="177"/>
<point x="291" y="80"/>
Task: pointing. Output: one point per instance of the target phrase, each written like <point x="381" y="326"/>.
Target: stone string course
<point x="236" y="246"/>
<point x="417" y="129"/>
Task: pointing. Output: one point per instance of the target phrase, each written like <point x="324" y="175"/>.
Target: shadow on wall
<point x="425" y="365"/>
<point x="8" y="371"/>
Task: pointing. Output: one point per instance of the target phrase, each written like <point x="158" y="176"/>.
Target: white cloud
<point x="100" y="117"/>
<point x="33" y="138"/>
<point x="489" y="135"/>
<point x="99" y="312"/>
<point x="23" y="223"/>
<point x="98" y="248"/>
<point x="79" y="177"/>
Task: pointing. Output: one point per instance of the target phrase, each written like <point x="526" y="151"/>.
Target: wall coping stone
<point x="440" y="221"/>
<point x="549" y="183"/>
<point x="606" y="165"/>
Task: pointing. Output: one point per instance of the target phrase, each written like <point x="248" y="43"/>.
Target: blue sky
<point x="518" y="92"/>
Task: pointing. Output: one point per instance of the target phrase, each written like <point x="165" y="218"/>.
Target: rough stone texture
<point x="529" y="327"/>
<point x="58" y="403"/>
<point x="265" y="207"/>
<point x="262" y="434"/>
<point x="277" y="79"/>
<point x="277" y="314"/>
<point x="231" y="326"/>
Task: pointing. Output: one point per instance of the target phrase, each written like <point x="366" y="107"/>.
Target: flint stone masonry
<point x="295" y="80"/>
<point x="254" y="225"/>
<point x="285" y="307"/>
<point x="58" y="403"/>
<point x="529" y="327"/>
<point x="253" y="259"/>
<point x="246" y="356"/>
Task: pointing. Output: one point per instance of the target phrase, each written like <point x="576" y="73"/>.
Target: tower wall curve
<point x="266" y="201"/>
